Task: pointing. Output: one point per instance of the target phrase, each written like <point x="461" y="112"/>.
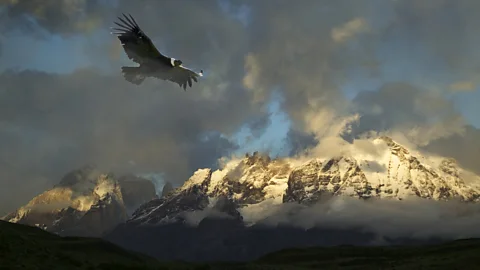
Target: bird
<point x="140" y="49"/>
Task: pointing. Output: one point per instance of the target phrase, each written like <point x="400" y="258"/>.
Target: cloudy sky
<point x="279" y="73"/>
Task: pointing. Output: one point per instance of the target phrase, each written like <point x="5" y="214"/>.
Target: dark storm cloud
<point x="447" y="28"/>
<point x="465" y="148"/>
<point x="305" y="51"/>
<point x="57" y="17"/>
<point x="299" y="141"/>
<point x="406" y="107"/>
<point x="259" y="124"/>
<point x="54" y="123"/>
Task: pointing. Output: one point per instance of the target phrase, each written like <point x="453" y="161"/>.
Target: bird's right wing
<point x="136" y="44"/>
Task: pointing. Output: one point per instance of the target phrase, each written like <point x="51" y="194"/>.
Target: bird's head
<point x="176" y="62"/>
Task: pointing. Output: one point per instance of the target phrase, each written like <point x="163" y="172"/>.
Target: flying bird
<point x="140" y="49"/>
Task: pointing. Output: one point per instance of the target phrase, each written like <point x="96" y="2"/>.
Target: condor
<point x="140" y="49"/>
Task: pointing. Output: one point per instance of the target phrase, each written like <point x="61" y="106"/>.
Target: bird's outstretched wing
<point x="180" y="75"/>
<point x="137" y="45"/>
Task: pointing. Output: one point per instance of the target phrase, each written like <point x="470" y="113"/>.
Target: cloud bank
<point x="417" y="218"/>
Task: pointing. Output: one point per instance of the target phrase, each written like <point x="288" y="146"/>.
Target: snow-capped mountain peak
<point x="388" y="170"/>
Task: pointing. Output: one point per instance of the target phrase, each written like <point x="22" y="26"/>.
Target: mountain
<point x="203" y="219"/>
<point x="85" y="202"/>
<point x="395" y="173"/>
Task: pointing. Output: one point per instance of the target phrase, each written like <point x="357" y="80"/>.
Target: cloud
<point x="415" y="218"/>
<point x="348" y="30"/>
<point x="465" y="148"/>
<point x="420" y="114"/>
<point x="290" y="51"/>
<point x="51" y="124"/>
<point x="305" y="51"/>
<point x="419" y="119"/>
<point x="463" y="86"/>
<point x="328" y="129"/>
<point x="368" y="147"/>
<point x="299" y="141"/>
<point x="442" y="34"/>
<point x="87" y="117"/>
<point x="60" y="17"/>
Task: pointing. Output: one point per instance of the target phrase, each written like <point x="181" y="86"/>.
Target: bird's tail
<point x="133" y="75"/>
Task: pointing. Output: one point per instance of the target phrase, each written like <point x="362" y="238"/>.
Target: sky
<point x="276" y="79"/>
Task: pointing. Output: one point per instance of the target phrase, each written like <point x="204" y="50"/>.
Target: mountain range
<point x="233" y="213"/>
<point x="217" y="215"/>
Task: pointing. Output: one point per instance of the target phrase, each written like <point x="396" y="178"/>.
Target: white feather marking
<point x="199" y="73"/>
<point x="172" y="61"/>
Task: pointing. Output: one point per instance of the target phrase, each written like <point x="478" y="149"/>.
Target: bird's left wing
<point x="137" y="45"/>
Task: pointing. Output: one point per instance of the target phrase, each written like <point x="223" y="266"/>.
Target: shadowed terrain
<point x="24" y="247"/>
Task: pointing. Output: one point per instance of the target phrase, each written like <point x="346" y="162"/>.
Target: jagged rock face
<point x="103" y="216"/>
<point x="86" y="202"/>
<point x="191" y="197"/>
<point x="310" y="182"/>
<point x="393" y="173"/>
<point x="400" y="175"/>
<point x="252" y="180"/>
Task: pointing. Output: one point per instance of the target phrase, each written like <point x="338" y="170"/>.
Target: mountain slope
<point x="26" y="247"/>
<point x="86" y="202"/>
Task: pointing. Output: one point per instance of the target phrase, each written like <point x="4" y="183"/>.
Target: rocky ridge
<point x="393" y="173"/>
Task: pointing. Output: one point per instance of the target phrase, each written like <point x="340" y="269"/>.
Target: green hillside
<point x="24" y="247"/>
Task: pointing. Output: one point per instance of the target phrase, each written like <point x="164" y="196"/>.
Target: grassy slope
<point x="461" y="254"/>
<point x="24" y="247"/>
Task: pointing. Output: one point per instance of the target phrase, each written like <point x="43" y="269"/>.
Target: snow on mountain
<point x="85" y="202"/>
<point x="390" y="172"/>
